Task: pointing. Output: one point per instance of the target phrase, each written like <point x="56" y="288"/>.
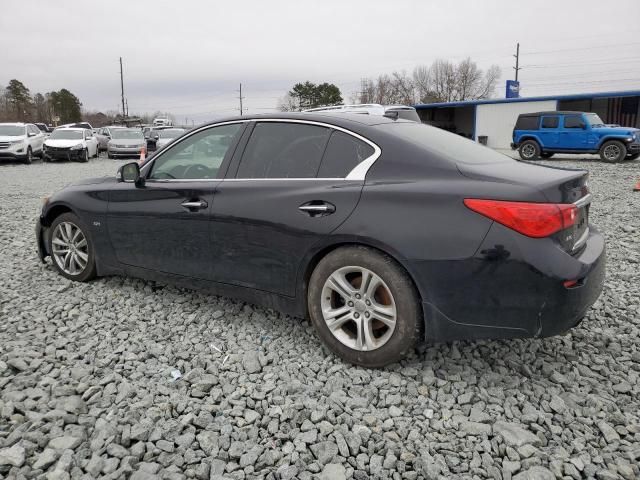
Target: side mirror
<point x="156" y="137"/>
<point x="31" y="134"/>
<point x="583" y="126"/>
<point x="129" y="173"/>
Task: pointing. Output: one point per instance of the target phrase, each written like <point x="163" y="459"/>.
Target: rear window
<point x="527" y="123"/>
<point x="445" y="144"/>
<point x="550" y="122"/>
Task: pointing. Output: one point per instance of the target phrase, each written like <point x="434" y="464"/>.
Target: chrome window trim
<point x="359" y="172"/>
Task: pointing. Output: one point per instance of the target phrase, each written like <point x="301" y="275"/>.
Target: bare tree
<point x="289" y="103"/>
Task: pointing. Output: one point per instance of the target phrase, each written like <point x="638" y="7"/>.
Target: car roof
<point x="552" y="112"/>
<point x="15" y="124"/>
<point x="337" y="119"/>
<point x="78" y="129"/>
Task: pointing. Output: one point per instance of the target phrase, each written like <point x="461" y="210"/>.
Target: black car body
<point x="256" y="229"/>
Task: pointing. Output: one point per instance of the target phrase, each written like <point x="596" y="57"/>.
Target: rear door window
<point x="550" y="122"/>
<point x="344" y="152"/>
<point x="283" y="150"/>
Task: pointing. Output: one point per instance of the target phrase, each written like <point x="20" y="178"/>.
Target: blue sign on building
<point x="513" y="89"/>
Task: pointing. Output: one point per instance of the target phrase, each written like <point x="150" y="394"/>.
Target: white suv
<point x="20" y="141"/>
<point x="392" y="111"/>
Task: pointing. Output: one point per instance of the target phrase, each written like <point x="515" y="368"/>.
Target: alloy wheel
<point x="612" y="152"/>
<point x="358" y="308"/>
<point x="528" y="150"/>
<point x="69" y="248"/>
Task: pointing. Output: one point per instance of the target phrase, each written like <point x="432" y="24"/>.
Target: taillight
<point x="535" y="220"/>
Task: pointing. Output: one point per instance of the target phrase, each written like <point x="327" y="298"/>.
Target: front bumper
<point x="6" y="154"/>
<point x="633" y="147"/>
<point x="63" y="153"/>
<point x="124" y="152"/>
<point x="513" y="287"/>
<point x="513" y="146"/>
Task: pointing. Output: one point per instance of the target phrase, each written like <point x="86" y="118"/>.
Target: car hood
<point x="616" y="130"/>
<point x="129" y="142"/>
<point x="6" y="138"/>
<point x="49" y="142"/>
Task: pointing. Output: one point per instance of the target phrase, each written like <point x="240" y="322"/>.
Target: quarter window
<point x="283" y="150"/>
<point x="549" y="122"/>
<point x="527" y="123"/>
<point x="344" y="152"/>
<point x="198" y="156"/>
<point x="574" y="121"/>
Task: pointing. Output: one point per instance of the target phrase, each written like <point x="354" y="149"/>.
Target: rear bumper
<point x="513" y="287"/>
<point x="124" y="152"/>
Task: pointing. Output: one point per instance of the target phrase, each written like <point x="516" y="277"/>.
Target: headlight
<point x="16" y="142"/>
<point x="77" y="147"/>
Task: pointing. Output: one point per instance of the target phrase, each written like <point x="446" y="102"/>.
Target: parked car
<point x="152" y="135"/>
<point x="43" y="128"/>
<point x="167" y="135"/>
<point x="162" y="122"/>
<point x="543" y="134"/>
<point x="391" y="111"/>
<point x="20" y="141"/>
<point x="125" y="142"/>
<point x="86" y="125"/>
<point x="74" y="144"/>
<point x="385" y="232"/>
<point x="104" y="135"/>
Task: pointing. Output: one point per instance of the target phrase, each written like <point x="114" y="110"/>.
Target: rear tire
<point x="632" y="156"/>
<point x="373" y="324"/>
<point x="79" y="263"/>
<point x="546" y="155"/>
<point x="529" y="150"/>
<point x="613" y="151"/>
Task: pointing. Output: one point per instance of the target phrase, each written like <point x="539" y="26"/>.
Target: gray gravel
<point x="87" y="371"/>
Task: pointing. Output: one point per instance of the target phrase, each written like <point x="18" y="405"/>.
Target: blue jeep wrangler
<point x="540" y="135"/>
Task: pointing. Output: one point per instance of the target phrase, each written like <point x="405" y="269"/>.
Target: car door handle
<point x="195" y="204"/>
<point x="315" y="209"/>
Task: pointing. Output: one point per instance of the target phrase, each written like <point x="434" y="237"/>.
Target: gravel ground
<point x="87" y="386"/>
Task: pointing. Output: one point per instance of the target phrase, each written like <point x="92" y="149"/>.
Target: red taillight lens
<point x="531" y="219"/>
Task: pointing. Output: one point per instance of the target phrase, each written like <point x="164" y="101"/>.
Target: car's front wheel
<point x="85" y="156"/>
<point x="613" y="151"/>
<point x="529" y="150"/>
<point x="364" y="306"/>
<point x="71" y="248"/>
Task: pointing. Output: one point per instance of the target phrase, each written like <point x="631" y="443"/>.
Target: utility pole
<point x="240" y="98"/>
<point x="517" y="68"/>
<point x="364" y="84"/>
<point x="124" y="113"/>
<point x="126" y="103"/>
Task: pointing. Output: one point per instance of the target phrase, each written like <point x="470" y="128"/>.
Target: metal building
<point x="494" y="119"/>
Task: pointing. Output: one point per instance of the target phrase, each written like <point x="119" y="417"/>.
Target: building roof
<point x="578" y="96"/>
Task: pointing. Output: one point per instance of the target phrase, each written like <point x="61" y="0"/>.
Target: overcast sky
<point x="188" y="56"/>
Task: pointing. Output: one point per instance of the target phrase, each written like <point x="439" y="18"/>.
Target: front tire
<point x="364" y="306"/>
<point x="71" y="248"/>
<point x="85" y="156"/>
<point x="529" y="150"/>
<point x="613" y="151"/>
<point x="29" y="158"/>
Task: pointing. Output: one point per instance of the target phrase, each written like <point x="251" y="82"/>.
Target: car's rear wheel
<point x="71" y="248"/>
<point x="529" y="150"/>
<point x="632" y="156"/>
<point x="613" y="151"/>
<point x="364" y="306"/>
<point x="29" y="158"/>
<point x="546" y="155"/>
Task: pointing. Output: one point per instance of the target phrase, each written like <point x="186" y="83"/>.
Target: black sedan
<point x="384" y="232"/>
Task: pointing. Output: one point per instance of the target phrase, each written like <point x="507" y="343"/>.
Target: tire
<point x="529" y="150"/>
<point x="632" y="156"/>
<point x="546" y="155"/>
<point x="29" y="158"/>
<point x="60" y="233"/>
<point x="613" y="151"/>
<point x="85" y="156"/>
<point x="97" y="153"/>
<point x="393" y="293"/>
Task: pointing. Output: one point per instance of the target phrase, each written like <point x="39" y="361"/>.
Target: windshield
<point x="170" y="133"/>
<point x="594" y="120"/>
<point x="128" y="134"/>
<point x="65" y="134"/>
<point x="446" y="144"/>
<point x="11" y="130"/>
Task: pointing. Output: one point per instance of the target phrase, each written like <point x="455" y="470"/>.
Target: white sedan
<point x="76" y="144"/>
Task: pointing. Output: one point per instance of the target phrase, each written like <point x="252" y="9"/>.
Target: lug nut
<point x="357" y="295"/>
<point x="356" y="315"/>
<point x="366" y="314"/>
<point x="368" y="302"/>
<point x="350" y="304"/>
